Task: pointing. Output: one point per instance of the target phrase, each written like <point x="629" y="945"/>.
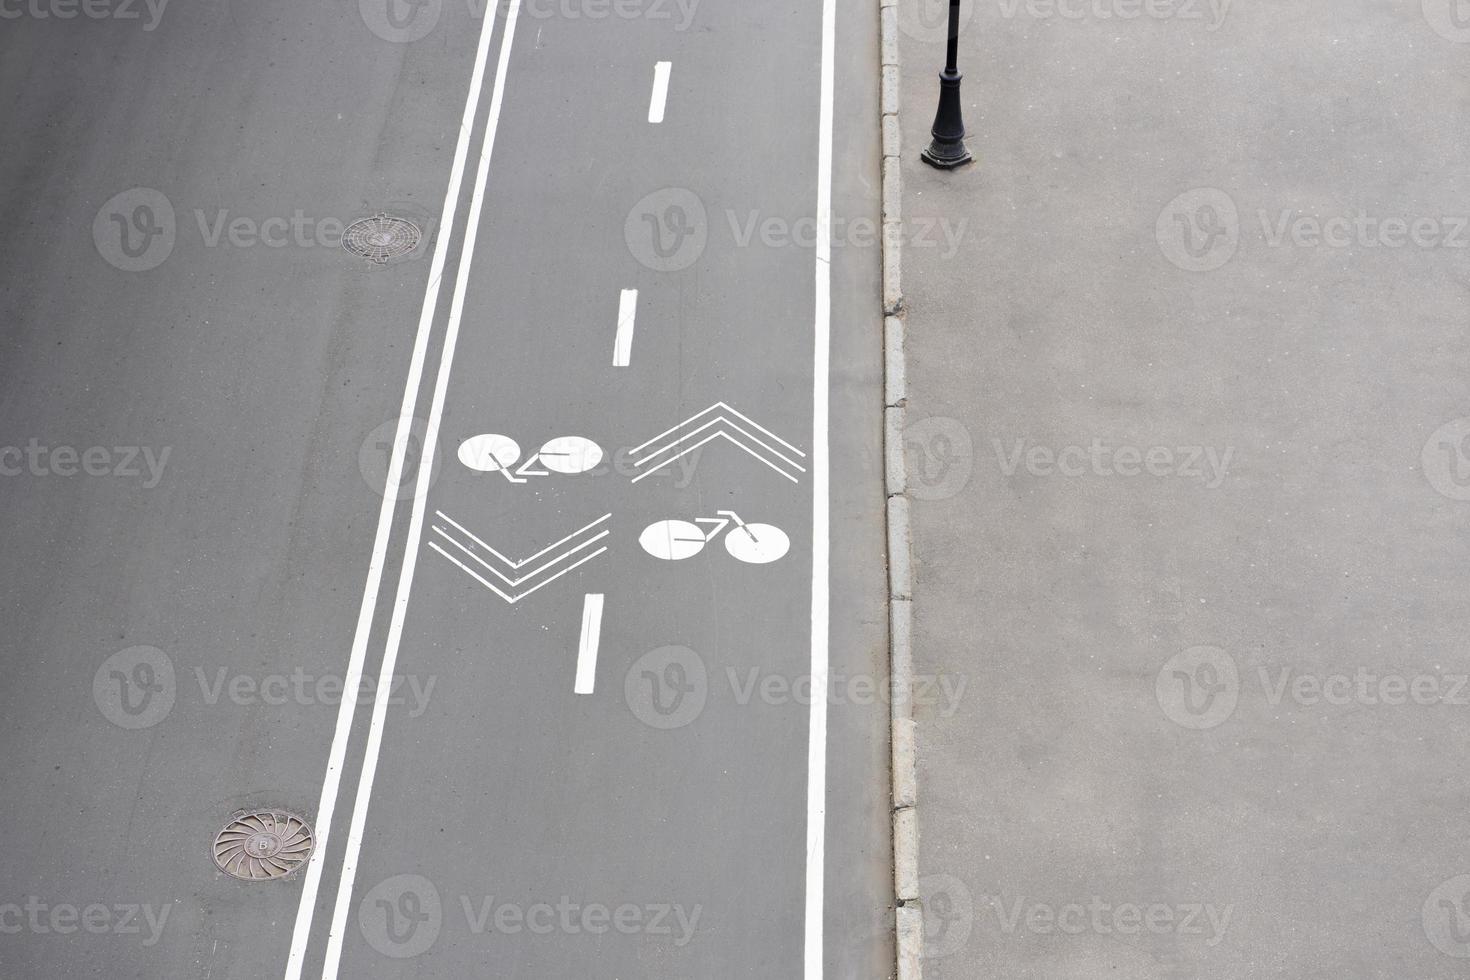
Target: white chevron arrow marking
<point x="543" y="563"/>
<point x="718" y="418"/>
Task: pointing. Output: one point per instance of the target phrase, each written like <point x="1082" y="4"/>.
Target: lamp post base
<point x="947" y="150"/>
<point x="944" y="157"/>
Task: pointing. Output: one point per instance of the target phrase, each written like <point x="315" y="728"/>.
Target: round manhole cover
<point x="263" y="845"/>
<point x="381" y="238"/>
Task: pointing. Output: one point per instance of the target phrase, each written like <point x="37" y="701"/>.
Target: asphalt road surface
<point x="580" y="491"/>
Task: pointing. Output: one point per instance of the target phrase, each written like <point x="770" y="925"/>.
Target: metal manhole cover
<point x="381" y="238"/>
<point x="263" y="845"/>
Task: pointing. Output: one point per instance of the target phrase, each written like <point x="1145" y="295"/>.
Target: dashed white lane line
<point x="336" y="755"/>
<point x="660" y="91"/>
<point x="627" y="314"/>
<point x="357" y="828"/>
<point x="587" y="647"/>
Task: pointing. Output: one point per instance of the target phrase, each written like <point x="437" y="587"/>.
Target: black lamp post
<point x="947" y="151"/>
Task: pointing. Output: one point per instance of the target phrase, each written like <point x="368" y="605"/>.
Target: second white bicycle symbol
<point x="492" y="453"/>
<point x="675" y="540"/>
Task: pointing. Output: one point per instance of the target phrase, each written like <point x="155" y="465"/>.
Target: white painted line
<point x="711" y="438"/>
<point x="524" y="561"/>
<point x="627" y="313"/>
<point x="686" y="436"/>
<point x="660" y="91"/>
<point x="718" y="405"/>
<point x="529" y="575"/>
<point x="322" y="821"/>
<point x="420" y="496"/>
<point x="587" y="648"/>
<point x="516" y="598"/>
<point x="640" y="463"/>
<point x="816" y="757"/>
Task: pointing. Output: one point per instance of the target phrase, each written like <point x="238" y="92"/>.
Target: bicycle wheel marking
<point x="490" y="453"/>
<point x="757" y="544"/>
<point x="495" y="453"/>
<point x="672" y="540"/>
<point x="570" y="454"/>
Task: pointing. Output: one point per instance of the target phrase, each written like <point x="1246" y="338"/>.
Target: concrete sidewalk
<point x="1188" y="436"/>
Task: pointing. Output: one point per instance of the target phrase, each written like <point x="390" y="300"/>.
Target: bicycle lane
<point x="656" y="824"/>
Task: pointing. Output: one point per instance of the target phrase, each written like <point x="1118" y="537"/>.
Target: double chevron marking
<point x="512" y="578"/>
<point x="728" y="424"/>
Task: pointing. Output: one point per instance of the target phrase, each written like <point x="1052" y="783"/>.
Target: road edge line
<point x="814" y="949"/>
<point x="903" y="749"/>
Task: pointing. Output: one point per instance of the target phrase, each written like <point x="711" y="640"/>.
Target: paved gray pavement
<point x="175" y="639"/>
<point x="1187" y="436"/>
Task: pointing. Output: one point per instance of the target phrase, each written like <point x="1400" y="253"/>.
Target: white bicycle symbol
<point x="493" y="453"/>
<point x="756" y="544"/>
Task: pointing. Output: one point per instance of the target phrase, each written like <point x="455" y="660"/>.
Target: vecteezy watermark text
<point x="570" y="918"/>
<point x="1102" y="918"/>
<point x="1211" y="12"/>
<point x="403" y="21"/>
<point x="136" y="230"/>
<point x="64" y="918"/>
<point x="774" y="231"/>
<point x="402" y="917"/>
<point x="1201" y="229"/>
<point x="1363" y="230"/>
<point x="943" y="691"/>
<point x="137" y="687"/>
<point x="668" y="229"/>
<point x="301" y="688"/>
<point x="35" y="459"/>
<point x="668" y="688"/>
<point x="1200" y="687"/>
<point x="86" y="9"/>
<point x="1204" y="463"/>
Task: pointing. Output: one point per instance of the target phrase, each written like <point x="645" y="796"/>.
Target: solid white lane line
<point x="816" y="759"/>
<point x="587" y="647"/>
<point x="420" y="498"/>
<point x="660" y="91"/>
<point x="336" y="755"/>
<point x="627" y="314"/>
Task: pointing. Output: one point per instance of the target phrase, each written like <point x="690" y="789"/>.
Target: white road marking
<point x="686" y="436"/>
<point x="711" y="438"/>
<point x="587" y="648"/>
<point x="336" y="755"/>
<point x="647" y="460"/>
<point x="816" y="758"/>
<point x="526" y="577"/>
<point x="717" y="405"/>
<point x="511" y="599"/>
<point x="489" y="453"/>
<point x="676" y="540"/>
<point x="627" y="313"/>
<point x="420" y="497"/>
<point x="673" y="540"/>
<point x="660" y="91"/>
<point x="524" y="561"/>
<point x="570" y="455"/>
<point x="650" y="462"/>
